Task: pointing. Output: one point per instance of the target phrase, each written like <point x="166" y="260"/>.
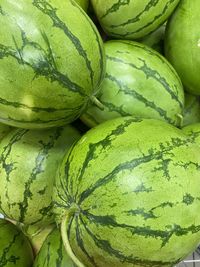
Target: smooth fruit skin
<point x="42" y="49"/>
<point x="182" y="43"/>
<point x="191" y="113"/>
<point x="28" y="164"/>
<point x="136" y="187"/>
<point x="53" y="253"/>
<point x="132" y="19"/>
<point x="138" y="82"/>
<point x="15" y="249"/>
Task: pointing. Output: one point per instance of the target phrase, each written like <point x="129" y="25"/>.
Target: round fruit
<point x="182" y="43"/>
<point x="42" y="48"/>
<point x="28" y="165"/>
<point x="138" y="82"/>
<point x="15" y="249"/>
<point x="128" y="194"/>
<point x="132" y="19"/>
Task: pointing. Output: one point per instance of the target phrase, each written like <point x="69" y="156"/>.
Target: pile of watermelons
<point x="125" y="193"/>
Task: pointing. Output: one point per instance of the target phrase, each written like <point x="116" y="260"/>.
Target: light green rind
<point x="182" y="43"/>
<point x="28" y="164"/>
<point x="136" y="185"/>
<point x="138" y="82"/>
<point x="53" y="253"/>
<point x="83" y="3"/>
<point x="193" y="130"/>
<point x="48" y="70"/>
<point x="191" y="112"/>
<point x="132" y="19"/>
<point x="15" y="249"/>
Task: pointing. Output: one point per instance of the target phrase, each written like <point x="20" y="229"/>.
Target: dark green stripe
<point x="47" y="9"/>
<point x="131" y="92"/>
<point x="107" y="247"/>
<point x="42" y="67"/>
<point x="113" y="108"/>
<point x="141" y="212"/>
<point x="80" y="242"/>
<point x="9" y="167"/>
<point x="145" y="231"/>
<point x="105" y="143"/>
<point x="152" y="3"/>
<point x="153" y="154"/>
<point x="101" y="50"/>
<point x="37" y="170"/>
<point x="150" y="73"/>
<point x="34" y="109"/>
<point x="59" y="252"/>
<point x="6" y="258"/>
<point x="115" y="7"/>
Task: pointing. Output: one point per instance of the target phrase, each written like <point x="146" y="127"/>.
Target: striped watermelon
<point x="193" y="130"/>
<point x="42" y="48"/>
<point x="132" y="19"/>
<point x="191" y="112"/>
<point x="182" y="43"/>
<point x="53" y="253"/>
<point x="15" y="249"/>
<point x="28" y="164"/>
<point x="83" y="3"/>
<point x="128" y="195"/>
<point x="138" y="82"/>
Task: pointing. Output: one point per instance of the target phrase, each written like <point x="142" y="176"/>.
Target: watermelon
<point x="127" y="195"/>
<point x="132" y="19"/>
<point x="28" y="164"/>
<point x="182" y="43"/>
<point x="53" y="253"/>
<point x="191" y="112"/>
<point x="83" y="3"/>
<point x="42" y="48"/>
<point x="138" y="82"/>
<point x="193" y="130"/>
<point x="15" y="249"/>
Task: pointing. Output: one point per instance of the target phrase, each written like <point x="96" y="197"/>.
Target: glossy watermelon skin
<point x="134" y="184"/>
<point x="15" y="249"/>
<point x="53" y="253"/>
<point x="132" y="19"/>
<point x="138" y="82"/>
<point x="28" y="165"/>
<point x="42" y="48"/>
<point x="182" y="45"/>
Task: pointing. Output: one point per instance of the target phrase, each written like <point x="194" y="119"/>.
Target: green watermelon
<point x="132" y="19"/>
<point x="83" y="3"/>
<point x="53" y="253"/>
<point x="182" y="43"/>
<point x="15" y="249"/>
<point x="191" y="112"/>
<point x="193" y="130"/>
<point x="128" y="195"/>
<point x="28" y="164"/>
<point x="42" y="48"/>
<point x="138" y="82"/>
